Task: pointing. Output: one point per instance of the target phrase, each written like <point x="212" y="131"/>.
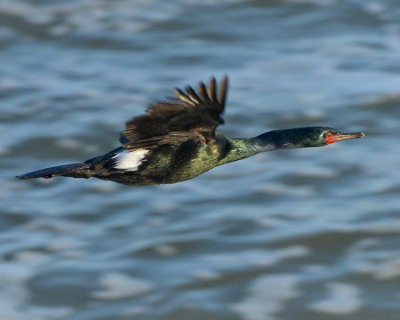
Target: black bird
<point x="177" y="140"/>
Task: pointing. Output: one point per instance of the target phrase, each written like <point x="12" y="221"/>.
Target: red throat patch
<point x="330" y="138"/>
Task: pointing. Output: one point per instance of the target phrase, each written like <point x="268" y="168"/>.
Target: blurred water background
<point x="296" y="234"/>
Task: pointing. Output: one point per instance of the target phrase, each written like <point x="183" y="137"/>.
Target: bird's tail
<point x="75" y="170"/>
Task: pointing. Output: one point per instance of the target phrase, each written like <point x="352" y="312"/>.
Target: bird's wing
<point x="190" y="114"/>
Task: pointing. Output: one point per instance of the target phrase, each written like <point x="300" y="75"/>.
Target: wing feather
<point x="223" y="89"/>
<point x="211" y="89"/>
<point x="201" y="88"/>
<point x="182" y="96"/>
<point x="189" y="115"/>
<point x="193" y="95"/>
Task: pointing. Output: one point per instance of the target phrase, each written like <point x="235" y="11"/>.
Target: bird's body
<point x="177" y="140"/>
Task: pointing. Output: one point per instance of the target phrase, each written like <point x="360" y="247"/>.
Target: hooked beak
<point x="344" y="136"/>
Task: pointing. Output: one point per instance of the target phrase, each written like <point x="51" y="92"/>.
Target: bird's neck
<point x="282" y="139"/>
<point x="272" y="140"/>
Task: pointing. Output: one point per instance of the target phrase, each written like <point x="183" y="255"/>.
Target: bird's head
<point x="321" y="136"/>
<point x="305" y="137"/>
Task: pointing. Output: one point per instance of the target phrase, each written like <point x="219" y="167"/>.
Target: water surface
<point x="299" y="234"/>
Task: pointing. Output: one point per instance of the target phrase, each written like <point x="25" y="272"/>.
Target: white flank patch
<point x="130" y="160"/>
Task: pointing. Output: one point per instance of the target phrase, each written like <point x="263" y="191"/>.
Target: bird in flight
<point x="177" y="140"/>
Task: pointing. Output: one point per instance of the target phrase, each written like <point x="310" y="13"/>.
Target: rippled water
<point x="299" y="234"/>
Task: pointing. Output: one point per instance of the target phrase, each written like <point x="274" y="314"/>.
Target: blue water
<point x="296" y="234"/>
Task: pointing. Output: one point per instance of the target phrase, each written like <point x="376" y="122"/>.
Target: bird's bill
<point x="346" y="136"/>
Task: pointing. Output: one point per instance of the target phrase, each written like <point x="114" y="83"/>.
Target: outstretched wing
<point x="190" y="114"/>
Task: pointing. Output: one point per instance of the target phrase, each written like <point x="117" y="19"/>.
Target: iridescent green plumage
<point x="177" y="140"/>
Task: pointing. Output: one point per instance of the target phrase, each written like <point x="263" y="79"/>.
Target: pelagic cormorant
<point x="177" y="140"/>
